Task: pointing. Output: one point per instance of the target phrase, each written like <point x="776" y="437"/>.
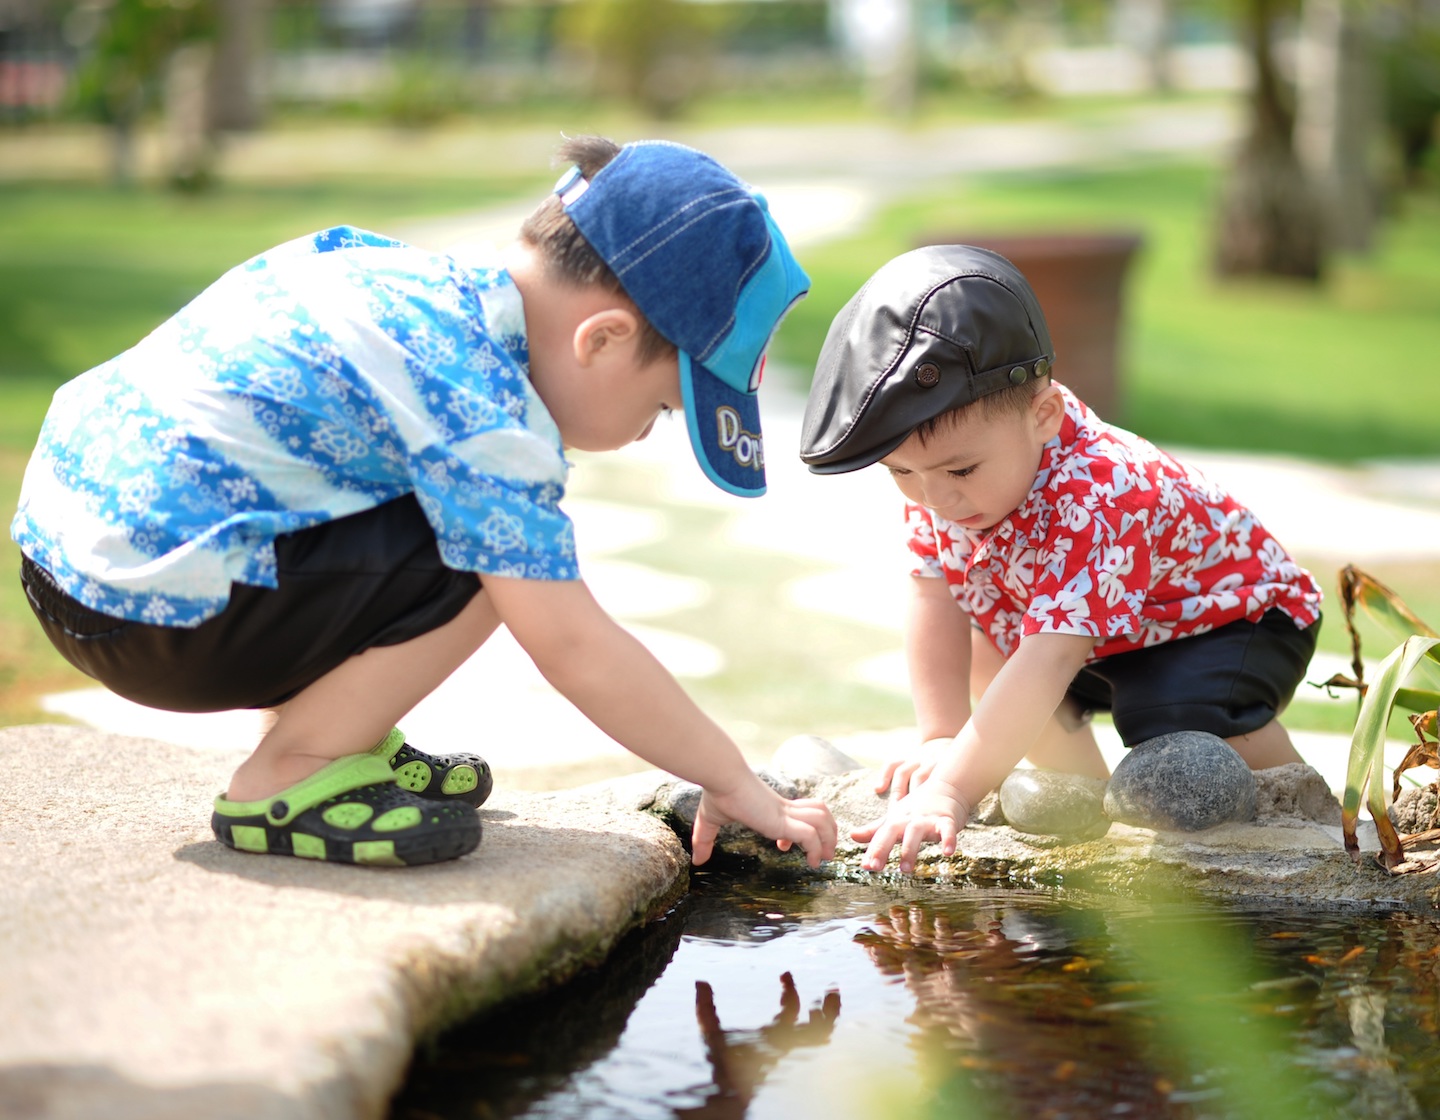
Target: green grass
<point x="1336" y="372"/>
<point x="86" y="271"/>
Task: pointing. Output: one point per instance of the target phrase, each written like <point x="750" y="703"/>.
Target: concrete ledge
<point x="152" y="972"/>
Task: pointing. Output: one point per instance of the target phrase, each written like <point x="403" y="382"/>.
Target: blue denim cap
<point x="698" y="252"/>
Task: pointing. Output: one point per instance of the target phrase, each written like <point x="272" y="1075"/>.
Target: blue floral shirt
<point x="322" y="378"/>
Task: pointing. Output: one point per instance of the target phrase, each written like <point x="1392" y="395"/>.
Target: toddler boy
<point x="1064" y="565"/>
<point x="323" y="484"/>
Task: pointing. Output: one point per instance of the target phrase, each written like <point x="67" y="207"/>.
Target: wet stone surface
<point x="1288" y="846"/>
<point x="1050" y="803"/>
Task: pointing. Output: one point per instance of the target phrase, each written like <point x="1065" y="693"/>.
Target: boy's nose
<point x="939" y="492"/>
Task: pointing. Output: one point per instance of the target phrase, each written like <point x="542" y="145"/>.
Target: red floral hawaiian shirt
<point x="1118" y="541"/>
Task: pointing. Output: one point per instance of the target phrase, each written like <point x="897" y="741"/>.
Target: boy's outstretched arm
<point x="1006" y="723"/>
<point x="937" y="655"/>
<point x="617" y="683"/>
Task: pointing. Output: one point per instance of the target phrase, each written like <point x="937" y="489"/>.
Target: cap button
<point x="1042" y="367"/>
<point x="1019" y="375"/>
<point x="927" y="374"/>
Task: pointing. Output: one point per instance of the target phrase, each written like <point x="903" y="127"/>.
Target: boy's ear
<point x="1047" y="408"/>
<point x="603" y="333"/>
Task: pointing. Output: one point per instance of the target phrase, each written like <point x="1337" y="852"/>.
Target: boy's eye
<point x="896" y="472"/>
<point x="963" y="472"/>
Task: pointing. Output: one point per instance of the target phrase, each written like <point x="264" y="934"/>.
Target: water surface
<point x="871" y="1000"/>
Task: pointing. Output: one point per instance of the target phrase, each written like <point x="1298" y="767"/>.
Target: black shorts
<point x="371" y="579"/>
<point x="1229" y="681"/>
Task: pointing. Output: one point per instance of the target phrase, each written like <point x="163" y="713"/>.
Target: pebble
<point x="1052" y="803"/>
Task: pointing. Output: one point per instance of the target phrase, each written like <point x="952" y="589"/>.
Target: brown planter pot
<point x="1079" y="280"/>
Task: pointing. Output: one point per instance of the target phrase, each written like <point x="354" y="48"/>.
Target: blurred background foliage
<point x="1326" y="199"/>
<point x="1285" y="298"/>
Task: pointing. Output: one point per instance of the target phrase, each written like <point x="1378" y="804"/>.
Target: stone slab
<point x="151" y="972"/>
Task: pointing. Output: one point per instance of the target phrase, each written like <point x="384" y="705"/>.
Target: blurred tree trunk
<point x="126" y="56"/>
<point x="124" y="127"/>
<point x="1269" y="222"/>
<point x="881" y="34"/>
<point x="1148" y="28"/>
<point x="1339" y="120"/>
<point x="476" y="29"/>
<point x="189" y="140"/>
<point x="236" y="97"/>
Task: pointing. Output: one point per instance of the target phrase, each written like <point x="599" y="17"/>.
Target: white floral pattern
<point x="1117" y="541"/>
<point x="322" y="378"/>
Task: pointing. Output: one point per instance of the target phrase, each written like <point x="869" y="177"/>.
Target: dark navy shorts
<point x="1229" y="681"/>
<point x="371" y="579"/>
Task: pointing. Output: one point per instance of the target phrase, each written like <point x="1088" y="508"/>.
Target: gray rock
<point x="809" y="757"/>
<point x="1051" y="803"/>
<point x="1415" y="810"/>
<point x="1183" y="782"/>
<point x="676" y="802"/>
<point x="1295" y="791"/>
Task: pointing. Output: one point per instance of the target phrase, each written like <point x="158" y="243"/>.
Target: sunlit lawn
<point x="1328" y="372"/>
<point x="1337" y="372"/>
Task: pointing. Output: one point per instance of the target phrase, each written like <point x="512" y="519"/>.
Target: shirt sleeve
<point x="471" y="436"/>
<point x="921" y="541"/>
<point x="1093" y="573"/>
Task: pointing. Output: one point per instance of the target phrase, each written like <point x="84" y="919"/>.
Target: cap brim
<point x="724" y="426"/>
<point x="855" y="462"/>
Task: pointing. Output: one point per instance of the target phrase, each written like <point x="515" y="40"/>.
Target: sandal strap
<point x="388" y="747"/>
<point x="354" y="771"/>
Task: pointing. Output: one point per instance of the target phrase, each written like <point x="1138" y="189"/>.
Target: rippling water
<point x="874" y="1000"/>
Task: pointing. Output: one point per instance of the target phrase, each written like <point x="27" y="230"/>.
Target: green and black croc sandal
<point x="351" y="811"/>
<point x="445" y="777"/>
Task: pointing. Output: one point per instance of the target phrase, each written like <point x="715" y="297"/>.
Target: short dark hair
<point x="568" y="257"/>
<point x="1011" y="399"/>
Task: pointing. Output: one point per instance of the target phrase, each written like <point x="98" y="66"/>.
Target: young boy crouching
<point x="1064" y="565"/>
<point x="323" y="484"/>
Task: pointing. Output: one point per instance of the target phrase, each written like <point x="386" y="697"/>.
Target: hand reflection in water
<point x="740" y="1059"/>
<point x="1007" y="1007"/>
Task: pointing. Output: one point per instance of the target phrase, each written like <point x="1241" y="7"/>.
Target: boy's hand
<point x="805" y="822"/>
<point x="904" y="775"/>
<point x="933" y="810"/>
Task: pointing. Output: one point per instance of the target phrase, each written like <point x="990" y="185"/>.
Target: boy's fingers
<point x="886" y="775"/>
<point x="702" y="839"/>
<point x="826" y="830"/>
<point x="884" y="838"/>
<point x="949" y="836"/>
<point x="865" y="832"/>
<point x="916" y="833"/>
<point x="812" y="844"/>
<point x="814" y="830"/>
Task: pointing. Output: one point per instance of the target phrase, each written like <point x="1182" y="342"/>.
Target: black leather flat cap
<point x="933" y="330"/>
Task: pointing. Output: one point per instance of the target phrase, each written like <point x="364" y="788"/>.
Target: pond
<point x="763" y="997"/>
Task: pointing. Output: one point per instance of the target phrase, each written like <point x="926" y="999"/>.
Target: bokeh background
<point x="1231" y="207"/>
